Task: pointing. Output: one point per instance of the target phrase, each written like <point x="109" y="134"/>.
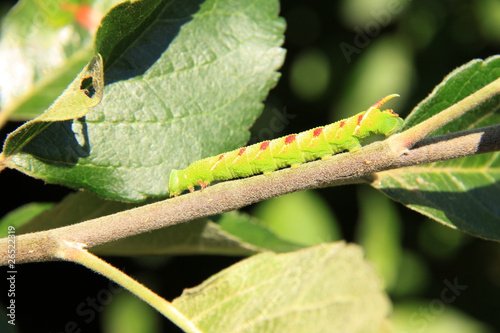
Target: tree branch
<point x="226" y="196"/>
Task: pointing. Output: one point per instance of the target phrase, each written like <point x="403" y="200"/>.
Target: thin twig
<point x="76" y="252"/>
<point x="407" y="139"/>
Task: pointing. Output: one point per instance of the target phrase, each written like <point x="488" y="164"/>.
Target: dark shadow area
<point x="61" y="144"/>
<point x="64" y="297"/>
<point x="135" y="53"/>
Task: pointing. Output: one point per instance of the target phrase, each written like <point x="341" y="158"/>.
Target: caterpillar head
<point x="388" y="121"/>
<point x="391" y="122"/>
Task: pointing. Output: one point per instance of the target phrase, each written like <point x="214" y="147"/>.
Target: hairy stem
<point x="76" y="252"/>
<point x="226" y="196"/>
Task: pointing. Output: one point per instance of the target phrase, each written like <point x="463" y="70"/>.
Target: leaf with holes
<point x="74" y="102"/>
<point x="181" y="75"/>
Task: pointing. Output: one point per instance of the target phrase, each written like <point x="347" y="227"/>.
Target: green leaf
<point x="121" y="27"/>
<point x="461" y="193"/>
<point x="22" y="215"/>
<point x="252" y="231"/>
<point x="188" y="86"/>
<point x="319" y="289"/>
<point x="43" y="46"/>
<point x="459" y="84"/>
<point x="73" y="103"/>
<point x="195" y="237"/>
<point x="233" y="233"/>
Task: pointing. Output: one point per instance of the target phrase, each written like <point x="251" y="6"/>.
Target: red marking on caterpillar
<point x="317" y="132"/>
<point x="372" y="121"/>
<point x="360" y="118"/>
<point x="289" y="139"/>
<point x="358" y="127"/>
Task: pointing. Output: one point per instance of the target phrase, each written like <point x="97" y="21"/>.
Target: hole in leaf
<point x="87" y="87"/>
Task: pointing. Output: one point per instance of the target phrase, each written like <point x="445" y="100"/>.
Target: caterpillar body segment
<point x="291" y="150"/>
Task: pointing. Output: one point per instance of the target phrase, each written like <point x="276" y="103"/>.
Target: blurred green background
<point x="342" y="56"/>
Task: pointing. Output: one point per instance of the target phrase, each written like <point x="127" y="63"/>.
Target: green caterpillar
<point x="291" y="150"/>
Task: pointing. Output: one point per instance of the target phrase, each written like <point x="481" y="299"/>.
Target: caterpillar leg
<point x="202" y="183"/>
<point x="352" y="144"/>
